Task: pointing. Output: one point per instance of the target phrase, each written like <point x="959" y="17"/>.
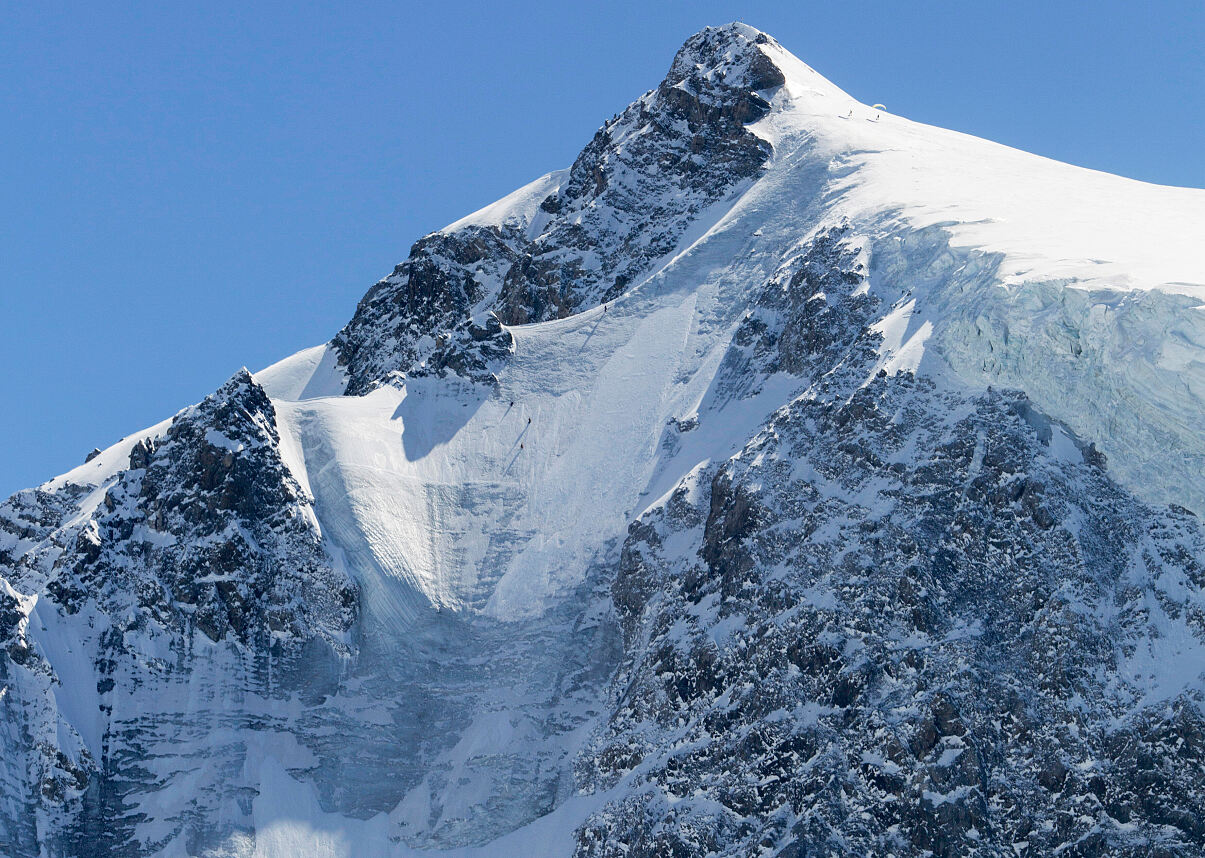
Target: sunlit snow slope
<point x="1083" y="289"/>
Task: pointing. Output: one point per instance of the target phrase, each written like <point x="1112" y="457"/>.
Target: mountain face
<point x="783" y="478"/>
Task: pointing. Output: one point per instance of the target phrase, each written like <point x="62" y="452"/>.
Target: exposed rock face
<point x="241" y="560"/>
<point x="645" y="176"/>
<point x="909" y="625"/>
<point x="629" y="197"/>
<point x="428" y="303"/>
<point x="199" y="562"/>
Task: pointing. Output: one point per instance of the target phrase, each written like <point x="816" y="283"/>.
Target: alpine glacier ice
<point x="784" y="477"/>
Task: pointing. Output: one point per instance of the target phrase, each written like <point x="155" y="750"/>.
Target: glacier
<point x="784" y="475"/>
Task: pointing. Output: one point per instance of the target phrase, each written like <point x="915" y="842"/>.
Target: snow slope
<point x="1000" y="267"/>
<point x="1044" y="258"/>
<point x="1084" y="289"/>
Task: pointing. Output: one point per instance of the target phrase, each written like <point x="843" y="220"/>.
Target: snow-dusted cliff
<point x="783" y="476"/>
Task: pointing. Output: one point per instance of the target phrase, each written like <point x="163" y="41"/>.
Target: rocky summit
<point x="783" y="478"/>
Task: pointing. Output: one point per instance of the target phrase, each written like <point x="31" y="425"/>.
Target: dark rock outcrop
<point x="202" y="552"/>
<point x="909" y="626"/>
<point x="627" y="200"/>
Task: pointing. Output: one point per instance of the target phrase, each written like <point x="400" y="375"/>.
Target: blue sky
<point x="190" y="188"/>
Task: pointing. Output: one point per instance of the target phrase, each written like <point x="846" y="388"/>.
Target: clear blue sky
<point x="190" y="188"/>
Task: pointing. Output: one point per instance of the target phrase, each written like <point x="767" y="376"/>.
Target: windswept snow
<point x="111" y="460"/>
<point x="310" y="373"/>
<point x="1050" y="220"/>
<point x="521" y="206"/>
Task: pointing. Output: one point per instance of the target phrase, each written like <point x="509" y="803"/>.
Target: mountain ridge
<point x="740" y="487"/>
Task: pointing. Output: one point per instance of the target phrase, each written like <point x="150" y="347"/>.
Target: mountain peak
<point x="731" y="54"/>
<point x="776" y="475"/>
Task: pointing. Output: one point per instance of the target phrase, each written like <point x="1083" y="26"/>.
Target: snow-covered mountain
<point x="783" y="478"/>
